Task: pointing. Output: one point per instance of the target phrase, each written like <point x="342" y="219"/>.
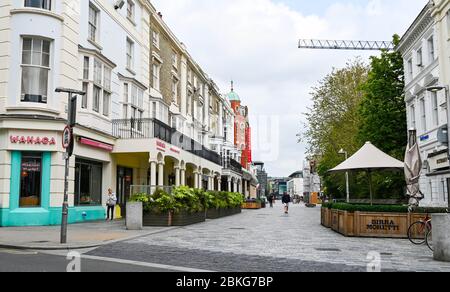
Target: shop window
<point x="88" y="183"/>
<point x="30" y="180"/>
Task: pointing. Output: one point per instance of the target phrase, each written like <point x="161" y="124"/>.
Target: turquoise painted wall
<point x="43" y="216"/>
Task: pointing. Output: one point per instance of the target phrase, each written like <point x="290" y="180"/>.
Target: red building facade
<point x="242" y="129"/>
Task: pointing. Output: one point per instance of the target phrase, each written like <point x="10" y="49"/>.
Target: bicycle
<point x="420" y="232"/>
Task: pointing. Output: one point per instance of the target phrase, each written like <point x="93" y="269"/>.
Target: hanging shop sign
<point x="96" y="144"/>
<point x="161" y="146"/>
<point x="31" y="140"/>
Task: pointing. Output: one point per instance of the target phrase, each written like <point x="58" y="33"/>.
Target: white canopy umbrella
<point x="413" y="169"/>
<point x="370" y="158"/>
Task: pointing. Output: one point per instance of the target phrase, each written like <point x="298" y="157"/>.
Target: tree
<point x="383" y="111"/>
<point x="383" y="115"/>
<point x="334" y="120"/>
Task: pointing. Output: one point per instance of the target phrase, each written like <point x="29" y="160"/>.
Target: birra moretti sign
<point x="31" y="140"/>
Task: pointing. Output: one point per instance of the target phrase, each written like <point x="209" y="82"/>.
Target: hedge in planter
<point x="380" y="208"/>
<point x="222" y="204"/>
<point x="182" y="207"/>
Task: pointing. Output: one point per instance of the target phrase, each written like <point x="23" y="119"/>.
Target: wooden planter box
<point x="157" y="220"/>
<point x="220" y="213"/>
<point x="326" y="217"/>
<point x="185" y="218"/>
<point x="170" y="219"/>
<point x="369" y="224"/>
<point x="251" y="206"/>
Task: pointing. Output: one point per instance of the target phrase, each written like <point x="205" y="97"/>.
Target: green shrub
<point x="380" y="208"/>
<point x="187" y="199"/>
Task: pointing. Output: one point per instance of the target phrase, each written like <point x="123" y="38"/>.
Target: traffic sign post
<point x="68" y="145"/>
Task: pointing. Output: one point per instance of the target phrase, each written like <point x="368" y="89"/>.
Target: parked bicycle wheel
<point x="430" y="240"/>
<point x="417" y="233"/>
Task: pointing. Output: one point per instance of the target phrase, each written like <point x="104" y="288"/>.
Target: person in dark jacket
<point x="286" y="200"/>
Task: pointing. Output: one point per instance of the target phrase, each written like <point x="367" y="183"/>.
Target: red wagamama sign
<point x="32" y="140"/>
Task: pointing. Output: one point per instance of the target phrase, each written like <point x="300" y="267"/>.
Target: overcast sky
<point x="254" y="42"/>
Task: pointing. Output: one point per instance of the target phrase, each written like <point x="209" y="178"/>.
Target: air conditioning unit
<point x="442" y="135"/>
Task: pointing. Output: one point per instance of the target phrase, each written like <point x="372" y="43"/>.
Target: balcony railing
<point x="153" y="128"/>
<point x="231" y="164"/>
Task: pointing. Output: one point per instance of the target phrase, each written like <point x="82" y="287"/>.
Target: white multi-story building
<point x="146" y="118"/>
<point x="296" y="184"/>
<point x="441" y="14"/>
<point x="426" y="104"/>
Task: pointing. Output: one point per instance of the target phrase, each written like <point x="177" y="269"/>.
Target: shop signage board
<point x="32" y="140"/>
<point x="96" y="144"/>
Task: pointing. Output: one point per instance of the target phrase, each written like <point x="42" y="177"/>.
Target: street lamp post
<point x="438" y="88"/>
<point x="68" y="144"/>
<point x="347" y="183"/>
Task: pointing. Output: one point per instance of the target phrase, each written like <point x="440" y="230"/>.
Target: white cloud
<point x="254" y="42"/>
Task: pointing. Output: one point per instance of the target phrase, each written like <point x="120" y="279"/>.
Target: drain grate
<point x="329" y="249"/>
<point x="43" y="241"/>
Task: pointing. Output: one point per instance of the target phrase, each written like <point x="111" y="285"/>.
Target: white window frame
<point x="156" y="75"/>
<point x="155" y="39"/>
<point x="410" y="68"/>
<point x="131" y="11"/>
<point x="41" y="64"/>
<point x="413" y="116"/>
<point x="91" y="25"/>
<point x="435" y="108"/>
<point x="419" y="58"/>
<point x="174" y="85"/>
<point x="174" y="59"/>
<point x="130" y="54"/>
<point x="44" y="4"/>
<point x="431" y="49"/>
<point x="99" y="82"/>
<point x="423" y="114"/>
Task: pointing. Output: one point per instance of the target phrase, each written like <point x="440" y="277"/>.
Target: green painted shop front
<point x="29" y="200"/>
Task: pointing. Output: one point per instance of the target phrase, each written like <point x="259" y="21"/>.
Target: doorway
<point x="124" y="182"/>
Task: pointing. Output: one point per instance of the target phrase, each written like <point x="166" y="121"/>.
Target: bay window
<point x="42" y="4"/>
<point x="35" y="69"/>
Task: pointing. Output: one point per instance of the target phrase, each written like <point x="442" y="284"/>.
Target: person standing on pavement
<point x="111" y="202"/>
<point x="286" y="200"/>
<point x="271" y="198"/>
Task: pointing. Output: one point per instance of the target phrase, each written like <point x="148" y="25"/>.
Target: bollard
<point x="441" y="237"/>
<point x="134" y="216"/>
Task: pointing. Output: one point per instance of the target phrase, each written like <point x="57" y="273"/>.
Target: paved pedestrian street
<point x="266" y="240"/>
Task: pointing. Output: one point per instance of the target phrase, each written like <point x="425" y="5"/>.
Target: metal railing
<point x="231" y="164"/>
<point x="153" y="128"/>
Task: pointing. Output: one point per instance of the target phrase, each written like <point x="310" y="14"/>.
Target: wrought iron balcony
<point x="231" y="164"/>
<point x="153" y="128"/>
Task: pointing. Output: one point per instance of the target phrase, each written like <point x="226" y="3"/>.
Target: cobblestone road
<point x="268" y="240"/>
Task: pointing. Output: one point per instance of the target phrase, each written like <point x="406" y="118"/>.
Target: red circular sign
<point x="66" y="138"/>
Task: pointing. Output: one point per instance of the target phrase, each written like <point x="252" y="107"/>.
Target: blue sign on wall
<point x="424" y="138"/>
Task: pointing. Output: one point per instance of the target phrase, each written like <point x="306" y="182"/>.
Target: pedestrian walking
<point x="271" y="199"/>
<point x="111" y="202"/>
<point x="286" y="200"/>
